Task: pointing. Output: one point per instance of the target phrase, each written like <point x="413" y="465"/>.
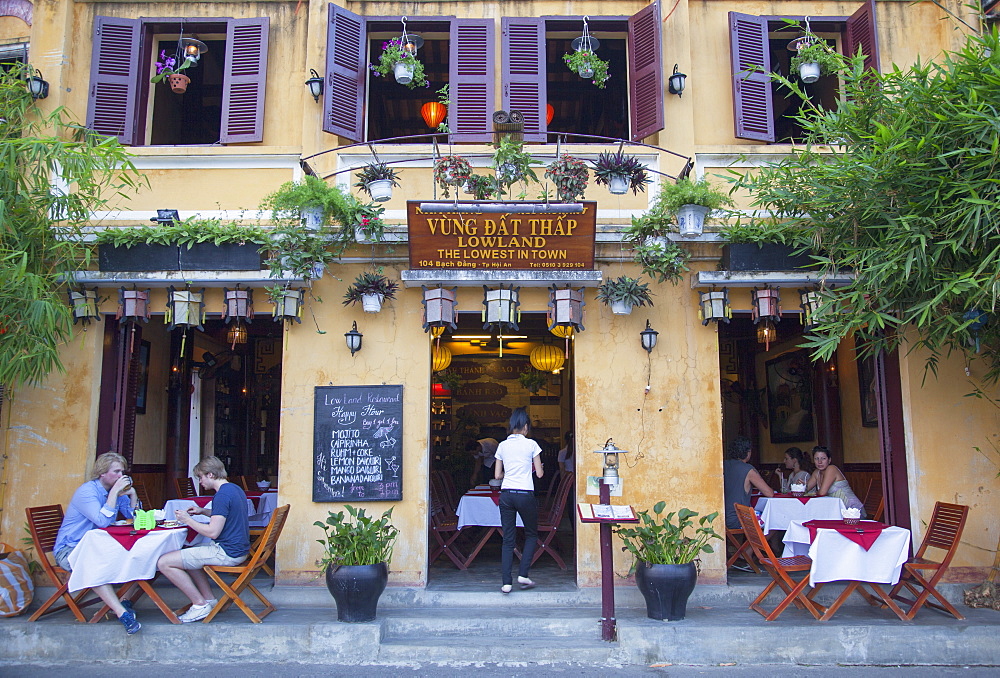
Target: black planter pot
<point x="749" y="256"/>
<point x="208" y="256"/>
<point x="356" y="589"/>
<point x="666" y="589"/>
<point x="138" y="258"/>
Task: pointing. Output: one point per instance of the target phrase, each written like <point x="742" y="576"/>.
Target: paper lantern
<point x="84" y="305"/>
<point x="549" y="114"/>
<point x="133" y="305"/>
<point x="440" y="311"/>
<point x="714" y="307"/>
<point x="546" y="358"/>
<point x="238" y="304"/>
<point x="765" y="309"/>
<point x="440" y="358"/>
<point x="433" y="113"/>
<point x="288" y="306"/>
<point x="185" y="309"/>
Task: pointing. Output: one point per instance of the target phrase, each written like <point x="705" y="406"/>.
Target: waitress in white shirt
<point x="515" y="458"/>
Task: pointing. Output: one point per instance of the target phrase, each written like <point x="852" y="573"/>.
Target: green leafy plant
<point x="359" y="539"/>
<point x="662" y="259"/>
<point x="450" y="379"/>
<point x="570" y="176"/>
<point x="293" y="197"/>
<point x="686" y="192"/>
<point x="662" y="542"/>
<point x="451" y="170"/>
<point x="532" y="379"/>
<point x="298" y="251"/>
<point x="376" y="171"/>
<point x="481" y="186"/>
<point x="444" y="98"/>
<point x="370" y="283"/>
<point x="512" y="164"/>
<point x="393" y="53"/>
<point x="167" y="66"/>
<point x="622" y="165"/>
<point x="190" y="231"/>
<point x="813" y="49"/>
<point x="587" y="60"/>
<point x="624" y="289"/>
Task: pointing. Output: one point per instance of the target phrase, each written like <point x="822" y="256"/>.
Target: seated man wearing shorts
<point x="229" y="530"/>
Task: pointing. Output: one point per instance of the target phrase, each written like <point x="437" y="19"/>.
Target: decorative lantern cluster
<point x="565" y="313"/>
<point x="500" y="312"/>
<point x="765" y="311"/>
<point x="714" y="307"/>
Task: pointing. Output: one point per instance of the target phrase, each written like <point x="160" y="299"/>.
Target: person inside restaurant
<point x="516" y="457"/>
<point x="229" y="530"/>
<point x="829" y="481"/>
<point x="96" y="504"/>
<point x="484" y="456"/>
<point x="799" y="466"/>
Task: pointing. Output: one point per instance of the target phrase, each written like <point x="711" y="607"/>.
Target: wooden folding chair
<point x="445" y="485"/>
<point x="548" y="524"/>
<point x="943" y="533"/>
<point x="185" y="488"/>
<point x="779" y="569"/>
<point x="247" y="571"/>
<point x="43" y="523"/>
<point x="742" y="549"/>
<point x="875" y="507"/>
<point x="142" y="494"/>
<point x="445" y="530"/>
<point x="242" y="482"/>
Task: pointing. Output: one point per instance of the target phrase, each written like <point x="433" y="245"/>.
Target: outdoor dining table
<point x="99" y="559"/>
<point x="836" y="557"/>
<point x="478" y="507"/>
<point x="778" y="512"/>
<point x="260" y="506"/>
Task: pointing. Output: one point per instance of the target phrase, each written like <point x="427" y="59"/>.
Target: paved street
<point x="148" y="670"/>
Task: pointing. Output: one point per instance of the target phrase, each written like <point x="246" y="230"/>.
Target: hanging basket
<point x="178" y="83"/>
<point x="403" y="73"/>
<point x="371" y="303"/>
<point x="621" y="307"/>
<point x="691" y="220"/>
<point x="380" y="190"/>
<point x="809" y="72"/>
<point x="618" y="184"/>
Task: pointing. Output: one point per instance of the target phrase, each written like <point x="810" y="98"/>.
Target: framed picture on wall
<point x="140" y="391"/>
<point x="790" y="398"/>
<point x="866" y="387"/>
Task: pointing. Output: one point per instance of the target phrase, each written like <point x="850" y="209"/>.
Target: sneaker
<point x="196" y="613"/>
<point x="212" y="602"/>
<point x="127" y="604"/>
<point x="129" y="621"/>
<point x="525" y="583"/>
<point x="506" y="588"/>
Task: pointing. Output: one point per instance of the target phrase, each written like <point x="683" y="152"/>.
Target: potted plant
<point x="814" y="57"/>
<point x="298" y="252"/>
<point x="480" y="186"/>
<point x="665" y="555"/>
<point x="512" y="164"/>
<point x="371" y="289"/>
<point x="167" y="68"/>
<point x="532" y="379"/>
<point x="588" y="65"/>
<point x="405" y="67"/>
<point x="765" y="246"/>
<point x="377" y="180"/>
<point x="620" y="172"/>
<point x="570" y="176"/>
<point x="357" y="551"/>
<point x="690" y="202"/>
<point x="451" y="170"/>
<point x="622" y="293"/>
<point x="310" y="202"/>
<point x="662" y="259"/>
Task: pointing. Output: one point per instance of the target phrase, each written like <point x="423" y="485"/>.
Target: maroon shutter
<point x="126" y="389"/>
<point x="861" y="32"/>
<point x="346" y="66"/>
<point x="470" y="74"/>
<point x="645" y="72"/>
<point x="245" y="80"/>
<point x="114" y="78"/>
<point x="523" y="66"/>
<point x="751" y="77"/>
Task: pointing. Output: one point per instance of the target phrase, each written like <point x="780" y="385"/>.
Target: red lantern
<point x="433" y="113"/>
<point x="549" y="114"/>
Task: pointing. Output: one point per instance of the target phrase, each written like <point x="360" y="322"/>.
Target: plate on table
<point x="170" y="523"/>
<point x="123" y="522"/>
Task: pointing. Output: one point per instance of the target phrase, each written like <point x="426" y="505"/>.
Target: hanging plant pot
<point x="618" y="184"/>
<point x="691" y="220"/>
<point x="403" y="73"/>
<point x="179" y="83"/>
<point x="586" y="72"/>
<point x="356" y="589"/>
<point x="666" y="589"/>
<point x="312" y="218"/>
<point x="621" y="307"/>
<point x="809" y="72"/>
<point x="380" y="190"/>
<point x="371" y="303"/>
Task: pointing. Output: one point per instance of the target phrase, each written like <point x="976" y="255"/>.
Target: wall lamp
<point x="676" y="83"/>
<point x="315" y="85"/>
<point x="648" y="338"/>
<point x="166" y="217"/>
<point x="353" y="339"/>
<point x="37" y="86"/>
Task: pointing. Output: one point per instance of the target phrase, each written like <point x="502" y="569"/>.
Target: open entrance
<point x="778" y="398"/>
<point x="476" y="384"/>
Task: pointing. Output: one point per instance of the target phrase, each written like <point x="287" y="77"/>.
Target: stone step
<point x="496" y="649"/>
<point x="552" y="622"/>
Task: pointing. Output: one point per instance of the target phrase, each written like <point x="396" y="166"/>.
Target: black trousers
<point x="515" y="503"/>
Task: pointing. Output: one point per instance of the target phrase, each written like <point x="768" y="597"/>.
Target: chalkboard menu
<point x="358" y="443"/>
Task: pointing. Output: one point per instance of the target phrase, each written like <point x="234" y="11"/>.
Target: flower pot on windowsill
<point x="371" y="303"/>
<point x="403" y="73"/>
<point x="809" y="72"/>
<point x="380" y="190"/>
<point x="178" y="83"/>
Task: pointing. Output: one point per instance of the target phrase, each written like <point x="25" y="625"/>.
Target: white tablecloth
<point x="778" y="512"/>
<point x="262" y="516"/>
<point x="837" y="558"/>
<point x="100" y="559"/>
<point x="473" y="510"/>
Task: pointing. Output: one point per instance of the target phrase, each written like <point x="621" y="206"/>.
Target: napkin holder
<point x="144" y="520"/>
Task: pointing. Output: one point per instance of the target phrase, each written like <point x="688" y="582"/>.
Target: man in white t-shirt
<point x="484" y="456"/>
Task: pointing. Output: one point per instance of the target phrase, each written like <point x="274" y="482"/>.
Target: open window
<point x="764" y="111"/>
<point x="224" y="102"/>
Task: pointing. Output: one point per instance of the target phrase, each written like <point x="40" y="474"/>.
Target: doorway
<point x="475" y="385"/>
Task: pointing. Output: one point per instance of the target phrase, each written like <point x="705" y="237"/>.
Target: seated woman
<point x="797" y="462"/>
<point x="829" y="481"/>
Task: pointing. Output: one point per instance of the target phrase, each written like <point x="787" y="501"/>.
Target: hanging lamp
<point x="714" y="307"/>
<point x="84" y="305"/>
<point x="433" y="113"/>
<point x="440" y="312"/>
<point x="546" y="358"/>
<point x="500" y="310"/>
<point x="765" y="309"/>
<point x="440" y="358"/>
<point x="288" y="305"/>
<point x="565" y="311"/>
<point x="185" y="309"/>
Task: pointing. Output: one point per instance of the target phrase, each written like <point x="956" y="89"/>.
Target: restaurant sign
<point x="505" y="240"/>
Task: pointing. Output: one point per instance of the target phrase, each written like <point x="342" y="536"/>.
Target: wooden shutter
<point x="245" y="80"/>
<point x="114" y="78"/>
<point x="861" y="32"/>
<point x="751" y="66"/>
<point x="645" y="72"/>
<point x="346" y="66"/>
<point x="470" y="74"/>
<point x="523" y="64"/>
<point x="126" y="389"/>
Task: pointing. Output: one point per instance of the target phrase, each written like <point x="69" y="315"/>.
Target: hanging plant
<point x="624" y="289"/>
<point x="588" y="65"/>
<point x="370" y="284"/>
<point x="570" y="176"/>
<point x="451" y="170"/>
<point x="372" y="174"/>
<point x="480" y="186"/>
<point x="609" y="168"/>
<point x="392" y="55"/>
<point x="532" y="380"/>
<point x="815" y="50"/>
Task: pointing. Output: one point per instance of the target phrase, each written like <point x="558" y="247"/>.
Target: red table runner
<point x="255" y="498"/>
<point x="202" y="502"/>
<point x="789" y="496"/>
<point x="495" y="496"/>
<point x="864" y="534"/>
<point x="127" y="536"/>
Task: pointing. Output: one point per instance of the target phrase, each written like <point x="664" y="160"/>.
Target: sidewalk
<point x="458" y="629"/>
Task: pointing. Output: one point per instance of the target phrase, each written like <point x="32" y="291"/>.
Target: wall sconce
<point x="315" y="85"/>
<point x="675" y="85"/>
<point x="288" y="305"/>
<point x="37" y="86"/>
<point x="765" y="311"/>
<point x="546" y="358"/>
<point x="715" y="307"/>
<point x="648" y="338"/>
<point x="84" y="305"/>
<point x="166" y="217"/>
<point x="610" y="452"/>
<point x="192" y="49"/>
<point x="353" y="339"/>
<point x="133" y="305"/>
